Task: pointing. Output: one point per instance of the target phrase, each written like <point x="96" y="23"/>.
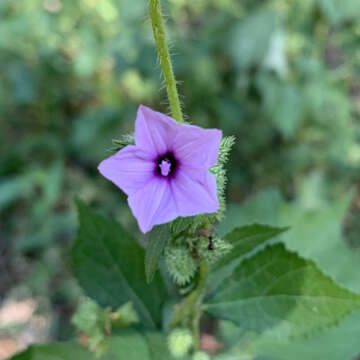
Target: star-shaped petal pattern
<point x="166" y="173"/>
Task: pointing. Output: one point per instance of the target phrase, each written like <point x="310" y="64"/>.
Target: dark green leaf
<point x="156" y="243"/>
<point x="109" y="265"/>
<point x="246" y="240"/>
<point x="276" y="287"/>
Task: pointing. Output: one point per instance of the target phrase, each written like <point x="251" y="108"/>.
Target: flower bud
<point x="180" y="342"/>
<point x="180" y="264"/>
<point x="200" y="355"/>
<point x="212" y="249"/>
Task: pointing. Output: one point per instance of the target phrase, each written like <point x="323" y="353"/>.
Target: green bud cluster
<point x="96" y="323"/>
<point x="184" y="253"/>
<point x="180" y="342"/>
<point x="93" y="321"/>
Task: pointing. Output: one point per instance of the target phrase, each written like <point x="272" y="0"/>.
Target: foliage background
<point x="281" y="75"/>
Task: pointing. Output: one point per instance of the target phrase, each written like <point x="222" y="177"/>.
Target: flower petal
<point x="194" y="192"/>
<point x="197" y="147"/>
<point x="154" y="132"/>
<point x="153" y="204"/>
<point x="129" y="169"/>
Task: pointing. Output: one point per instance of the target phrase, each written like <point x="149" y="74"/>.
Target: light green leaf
<point x="11" y="189"/>
<point x="338" y="343"/>
<point x="251" y="50"/>
<point x="317" y="235"/>
<point x="109" y="265"/>
<point x="156" y="243"/>
<point x="289" y="110"/>
<point x="277" y="288"/>
<point x="283" y="103"/>
<point x="262" y="208"/>
<point x="246" y="241"/>
<point x="315" y="227"/>
<point x="338" y="11"/>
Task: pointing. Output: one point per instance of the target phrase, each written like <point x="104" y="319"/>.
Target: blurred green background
<point x="281" y="75"/>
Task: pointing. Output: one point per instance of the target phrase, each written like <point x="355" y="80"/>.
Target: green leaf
<point x="283" y="102"/>
<point x="249" y="50"/>
<point x="12" y="189"/>
<point x="338" y="11"/>
<point x="246" y="241"/>
<point x="317" y="235"/>
<point x="125" y="344"/>
<point x="338" y="343"/>
<point x="131" y="344"/>
<point x="156" y="243"/>
<point x="275" y="287"/>
<point x="180" y="224"/>
<point x="316" y="228"/>
<point x="109" y="265"/>
<point x="56" y="351"/>
<point x="158" y="347"/>
<point x="123" y="141"/>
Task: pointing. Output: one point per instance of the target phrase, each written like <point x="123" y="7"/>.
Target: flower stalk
<point x="189" y="312"/>
<point x="158" y="27"/>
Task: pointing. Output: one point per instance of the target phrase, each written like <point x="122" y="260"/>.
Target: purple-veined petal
<point x="197" y="147"/>
<point x="194" y="192"/>
<point x="154" y="132"/>
<point x="130" y="169"/>
<point x="153" y="204"/>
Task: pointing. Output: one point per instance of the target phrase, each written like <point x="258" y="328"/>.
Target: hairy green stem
<point x="189" y="312"/>
<point x="157" y="23"/>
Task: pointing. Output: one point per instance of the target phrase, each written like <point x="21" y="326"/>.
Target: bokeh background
<point x="281" y="75"/>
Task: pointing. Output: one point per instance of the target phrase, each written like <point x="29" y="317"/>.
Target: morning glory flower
<point x="166" y="173"/>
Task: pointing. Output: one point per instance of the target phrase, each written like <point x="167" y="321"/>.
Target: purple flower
<point x="166" y="174"/>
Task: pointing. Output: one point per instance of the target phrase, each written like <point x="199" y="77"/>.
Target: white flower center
<point x="165" y="167"/>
